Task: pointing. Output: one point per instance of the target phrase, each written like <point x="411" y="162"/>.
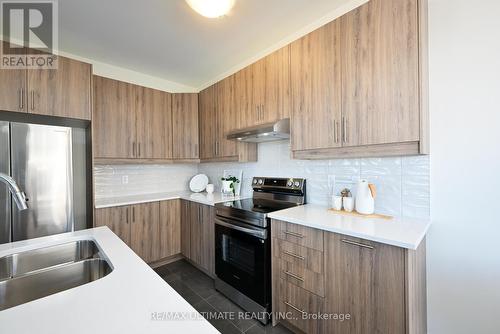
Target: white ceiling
<point x="168" y="40"/>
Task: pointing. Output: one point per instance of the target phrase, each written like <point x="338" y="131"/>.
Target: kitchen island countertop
<point x="131" y="299"/>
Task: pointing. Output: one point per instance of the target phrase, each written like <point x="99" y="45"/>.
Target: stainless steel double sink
<point x="41" y="272"/>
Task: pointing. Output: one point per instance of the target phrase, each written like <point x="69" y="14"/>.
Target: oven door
<point x="243" y="258"/>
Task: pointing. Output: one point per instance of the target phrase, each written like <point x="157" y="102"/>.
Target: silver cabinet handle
<point x="354" y="243"/>
<point x="262" y="112"/>
<point x="134" y="149"/>
<point x="20" y="98"/>
<point x="344" y="129"/>
<point x="133" y="214"/>
<point x="294" y="276"/>
<point x="32" y="100"/>
<point x="337" y="131"/>
<point x="294" y="255"/>
<point x="138" y="150"/>
<point x="294" y="307"/>
<point x="293" y="234"/>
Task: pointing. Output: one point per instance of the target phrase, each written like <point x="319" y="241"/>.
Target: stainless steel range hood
<point x="279" y="130"/>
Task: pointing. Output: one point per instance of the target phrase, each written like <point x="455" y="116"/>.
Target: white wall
<point x="463" y="244"/>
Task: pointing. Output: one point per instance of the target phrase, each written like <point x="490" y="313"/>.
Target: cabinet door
<point x="208" y="122"/>
<point x="63" y="92"/>
<point x="275" y="99"/>
<point x="244" y="94"/>
<point x="196" y="232"/>
<point x="366" y="280"/>
<point x="154" y="123"/>
<point x="144" y="239"/>
<point x="227" y="117"/>
<point x="316" y="89"/>
<point x="186" y="229"/>
<point x="114" y="129"/>
<point x="117" y="219"/>
<point x="380" y="73"/>
<point x="207" y="236"/>
<point x="13" y="94"/>
<point x="185" y="126"/>
<point x="170" y="228"/>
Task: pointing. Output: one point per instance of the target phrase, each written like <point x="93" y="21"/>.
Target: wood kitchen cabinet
<point x="185" y="126"/>
<point x="131" y="122"/>
<point x="144" y="227"/>
<point x="380" y="73"/>
<point x="170" y="228"/>
<point x="62" y="92"/>
<point x="117" y="219"/>
<point x="114" y="127"/>
<point x="218" y="116"/>
<point x="151" y="230"/>
<point x="198" y="238"/>
<point x="262" y="89"/>
<point x="381" y="287"/>
<point x="316" y="89"/>
<point x="358" y="88"/>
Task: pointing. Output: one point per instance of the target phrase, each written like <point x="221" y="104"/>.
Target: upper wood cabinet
<point x="114" y="125"/>
<point x="218" y="116"/>
<point x="63" y="92"/>
<point x="185" y="126"/>
<point x="154" y="123"/>
<point x="262" y="90"/>
<point x="316" y="89"/>
<point x="380" y="73"/>
<point x="359" y="84"/>
<point x="131" y="122"/>
<point x="207" y="100"/>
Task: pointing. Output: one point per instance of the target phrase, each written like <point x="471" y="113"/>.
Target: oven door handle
<point x="261" y="234"/>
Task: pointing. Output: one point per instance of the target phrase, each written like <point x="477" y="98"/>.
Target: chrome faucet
<point x="17" y="194"/>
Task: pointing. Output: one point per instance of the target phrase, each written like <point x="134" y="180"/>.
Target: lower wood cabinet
<point x="197" y="235"/>
<point x="152" y="230"/>
<point x="374" y="287"/>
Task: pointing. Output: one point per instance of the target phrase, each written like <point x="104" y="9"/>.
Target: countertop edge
<point x="402" y="244"/>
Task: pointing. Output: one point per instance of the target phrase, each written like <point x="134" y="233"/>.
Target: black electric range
<point x="243" y="245"/>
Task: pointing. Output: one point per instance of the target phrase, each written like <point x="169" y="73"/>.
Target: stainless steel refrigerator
<point x="49" y="165"/>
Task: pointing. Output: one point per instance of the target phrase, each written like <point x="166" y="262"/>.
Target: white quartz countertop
<point x="203" y="198"/>
<point x="400" y="232"/>
<point x="121" y="302"/>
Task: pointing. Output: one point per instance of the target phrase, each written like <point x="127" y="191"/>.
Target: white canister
<point x="337" y="202"/>
<point x="210" y="188"/>
<point x="226" y="187"/>
<point x="348" y="203"/>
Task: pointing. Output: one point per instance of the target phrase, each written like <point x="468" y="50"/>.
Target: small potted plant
<point x="228" y="184"/>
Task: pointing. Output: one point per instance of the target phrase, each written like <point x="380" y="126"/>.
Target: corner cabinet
<point x="360" y="85"/>
<point x="374" y="287"/>
<point x="151" y="230"/>
<point x="218" y="116"/>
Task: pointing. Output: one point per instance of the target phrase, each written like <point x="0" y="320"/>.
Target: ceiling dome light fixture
<point x="211" y="8"/>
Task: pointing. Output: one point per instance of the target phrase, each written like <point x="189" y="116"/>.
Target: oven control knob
<point x="289" y="183"/>
<point x="261" y="182"/>
<point x="296" y="184"/>
<point x="254" y="181"/>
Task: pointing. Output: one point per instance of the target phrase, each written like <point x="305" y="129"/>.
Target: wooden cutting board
<point x="356" y="214"/>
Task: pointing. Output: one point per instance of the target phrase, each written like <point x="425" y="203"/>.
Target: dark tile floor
<point x="198" y="289"/>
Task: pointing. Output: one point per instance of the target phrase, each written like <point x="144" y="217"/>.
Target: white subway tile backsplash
<point x="403" y="183"/>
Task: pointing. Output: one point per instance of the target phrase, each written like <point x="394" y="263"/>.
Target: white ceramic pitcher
<point x="365" y="201"/>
